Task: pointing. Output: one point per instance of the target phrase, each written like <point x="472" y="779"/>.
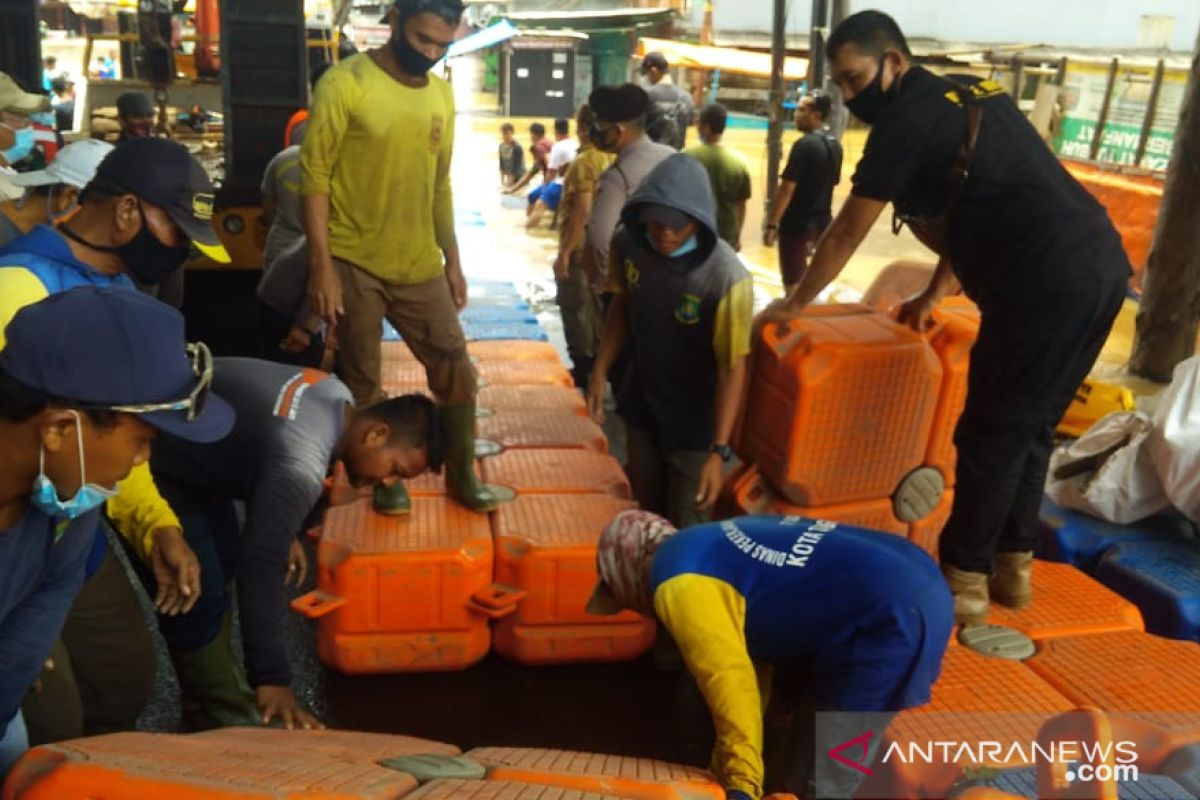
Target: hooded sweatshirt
<point x="689" y="316"/>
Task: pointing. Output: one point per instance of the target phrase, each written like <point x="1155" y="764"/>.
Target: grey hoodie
<point x="686" y="321"/>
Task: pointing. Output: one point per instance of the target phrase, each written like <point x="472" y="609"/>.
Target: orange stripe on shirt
<point x="288" y="403"/>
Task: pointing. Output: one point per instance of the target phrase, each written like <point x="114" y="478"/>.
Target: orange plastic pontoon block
<point x="747" y="491"/>
<point x="1127" y="673"/>
<point x="233" y="763"/>
<point x="557" y="472"/>
<point x="623" y="776"/>
<point x="955" y="328"/>
<point x="523" y="373"/>
<point x="975" y="698"/>
<point x="842" y="407"/>
<point x="1067" y="602"/>
<point x="457" y="789"/>
<point x="546" y="547"/>
<point x="503" y="397"/>
<point x="404" y="593"/>
<point x="513" y="350"/>
<point x="539" y="429"/>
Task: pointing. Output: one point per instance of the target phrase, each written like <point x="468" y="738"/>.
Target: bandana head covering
<point x="623" y="557"/>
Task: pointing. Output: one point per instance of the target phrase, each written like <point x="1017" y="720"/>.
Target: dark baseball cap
<point x="135" y="104"/>
<point x="116" y="348"/>
<point x="673" y="218"/>
<point x="619" y="103"/>
<point x="449" y="10"/>
<point x="164" y="173"/>
<point x="653" y="59"/>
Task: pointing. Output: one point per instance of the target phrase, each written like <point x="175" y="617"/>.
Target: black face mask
<point x="872" y="101"/>
<point x="148" y="259"/>
<point x="412" y="60"/>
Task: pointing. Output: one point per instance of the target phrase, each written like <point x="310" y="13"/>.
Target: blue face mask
<point x="56" y="217"/>
<point x="45" y="493"/>
<point x="22" y="146"/>
<point x="687" y="247"/>
<point x="43" y="118"/>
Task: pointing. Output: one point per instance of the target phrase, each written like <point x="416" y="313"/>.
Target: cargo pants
<point x="582" y="318"/>
<point x="422" y="313"/>
<point x="664" y="481"/>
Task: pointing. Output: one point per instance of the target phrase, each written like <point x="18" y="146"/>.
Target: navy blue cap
<point x="164" y="173"/>
<point x="673" y="218"/>
<point x="111" y="346"/>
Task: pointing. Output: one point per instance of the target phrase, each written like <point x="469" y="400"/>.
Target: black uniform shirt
<point x="814" y="165"/>
<point x="1022" y="224"/>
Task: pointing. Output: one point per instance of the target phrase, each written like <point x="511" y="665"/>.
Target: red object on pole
<point x="208" y="33"/>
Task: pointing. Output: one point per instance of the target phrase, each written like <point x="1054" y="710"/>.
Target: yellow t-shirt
<point x="381" y="152"/>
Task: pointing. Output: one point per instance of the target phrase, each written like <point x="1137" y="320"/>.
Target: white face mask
<point x="45" y="494"/>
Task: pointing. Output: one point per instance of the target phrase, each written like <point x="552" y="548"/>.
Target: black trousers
<point x="1031" y="355"/>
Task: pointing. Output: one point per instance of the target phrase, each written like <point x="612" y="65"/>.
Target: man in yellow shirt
<point x="147" y="200"/>
<point x="379" y="216"/>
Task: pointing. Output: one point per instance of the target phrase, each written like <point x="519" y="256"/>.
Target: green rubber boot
<point x="214" y="687"/>
<point x="392" y="500"/>
<point x="461" y="483"/>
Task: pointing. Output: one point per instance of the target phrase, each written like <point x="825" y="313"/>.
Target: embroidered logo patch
<point x="632" y="275"/>
<point x="688" y="310"/>
<point x="437" y="127"/>
<point x="202" y="206"/>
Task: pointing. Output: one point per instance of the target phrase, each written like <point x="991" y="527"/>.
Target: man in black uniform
<point x="1029" y="245"/>
<point x="803" y="206"/>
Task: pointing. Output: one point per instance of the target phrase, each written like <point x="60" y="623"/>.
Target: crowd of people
<point x="104" y="406"/>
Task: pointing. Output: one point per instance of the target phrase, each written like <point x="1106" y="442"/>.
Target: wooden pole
<point x="1098" y="133"/>
<point x="1151" y="111"/>
<point x="1170" y="310"/>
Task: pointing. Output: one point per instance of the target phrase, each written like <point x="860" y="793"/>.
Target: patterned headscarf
<point x="623" y="557"/>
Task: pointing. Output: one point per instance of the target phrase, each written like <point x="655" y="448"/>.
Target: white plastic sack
<point x="1108" y="472"/>
<point x="1174" y="444"/>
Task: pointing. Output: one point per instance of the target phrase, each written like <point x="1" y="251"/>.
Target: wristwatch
<point x="722" y="450"/>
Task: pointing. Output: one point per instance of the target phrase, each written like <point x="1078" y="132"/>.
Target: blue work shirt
<point x="869" y="613"/>
<point x="41" y="571"/>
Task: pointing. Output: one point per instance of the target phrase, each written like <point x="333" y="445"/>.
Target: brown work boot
<point x="970" y="590"/>
<point x="1012" y="581"/>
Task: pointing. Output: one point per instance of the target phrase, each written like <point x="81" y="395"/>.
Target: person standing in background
<point x="803" y="206"/>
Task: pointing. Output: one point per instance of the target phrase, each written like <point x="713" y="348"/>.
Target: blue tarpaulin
<point x="479" y="40"/>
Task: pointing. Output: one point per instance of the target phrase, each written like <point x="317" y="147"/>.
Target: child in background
<point x="512" y="157"/>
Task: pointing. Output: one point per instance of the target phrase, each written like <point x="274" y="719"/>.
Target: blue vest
<point x="47" y="255"/>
